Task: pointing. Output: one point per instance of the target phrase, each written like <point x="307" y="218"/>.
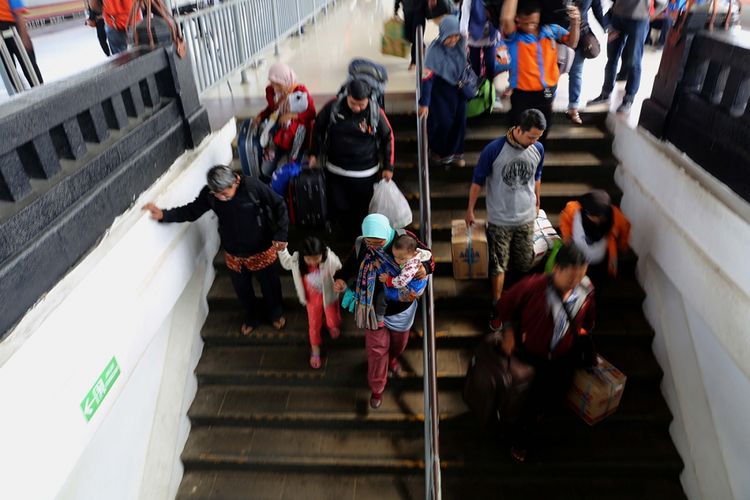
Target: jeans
<point x="575" y="79"/>
<point x="118" y="40"/>
<point x="629" y="46"/>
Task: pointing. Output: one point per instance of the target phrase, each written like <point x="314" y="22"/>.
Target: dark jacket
<point x="350" y="270"/>
<point x="248" y="223"/>
<point x="525" y="305"/>
<point x="349" y="143"/>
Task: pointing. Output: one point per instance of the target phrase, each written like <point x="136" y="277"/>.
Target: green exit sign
<point x="100" y="389"/>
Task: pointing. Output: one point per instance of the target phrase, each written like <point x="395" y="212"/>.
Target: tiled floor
<point x="351" y="28"/>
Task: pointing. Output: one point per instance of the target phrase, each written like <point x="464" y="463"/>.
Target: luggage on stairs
<point x="496" y="384"/>
<point x="308" y="199"/>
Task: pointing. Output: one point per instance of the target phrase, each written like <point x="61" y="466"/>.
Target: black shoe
<point x="600" y="99"/>
<point x="624" y="108"/>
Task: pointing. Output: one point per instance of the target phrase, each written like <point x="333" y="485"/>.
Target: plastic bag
<point x="388" y="200"/>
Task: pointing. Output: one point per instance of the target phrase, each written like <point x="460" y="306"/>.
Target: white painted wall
<point x="692" y="236"/>
<point x="138" y="296"/>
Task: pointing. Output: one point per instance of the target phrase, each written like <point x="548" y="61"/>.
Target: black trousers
<point x="349" y="201"/>
<point x="552" y="380"/>
<point x="412" y="19"/>
<point x="16" y="55"/>
<point x="482" y="60"/>
<point x="521" y="100"/>
<point x="101" y="34"/>
<point x="270" y="286"/>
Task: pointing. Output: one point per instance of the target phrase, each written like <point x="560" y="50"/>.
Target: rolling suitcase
<point x="496" y="385"/>
<point x="248" y="149"/>
<point x="308" y="199"/>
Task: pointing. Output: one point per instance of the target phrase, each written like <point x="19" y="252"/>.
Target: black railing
<point x="431" y="414"/>
<point x="701" y="101"/>
<point x="75" y="154"/>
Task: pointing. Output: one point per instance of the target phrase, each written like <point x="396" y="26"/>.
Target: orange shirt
<point x="533" y="59"/>
<point x="6" y="13"/>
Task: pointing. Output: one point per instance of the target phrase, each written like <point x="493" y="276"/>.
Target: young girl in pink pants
<point x="313" y="267"/>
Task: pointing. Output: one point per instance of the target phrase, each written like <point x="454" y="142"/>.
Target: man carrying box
<point x="546" y="320"/>
<point x="511" y="166"/>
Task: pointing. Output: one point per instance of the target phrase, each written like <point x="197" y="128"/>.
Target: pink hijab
<point x="282" y="74"/>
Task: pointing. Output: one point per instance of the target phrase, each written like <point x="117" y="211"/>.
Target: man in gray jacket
<point x="627" y="30"/>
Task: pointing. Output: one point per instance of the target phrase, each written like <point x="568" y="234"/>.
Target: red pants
<point x="315" y="310"/>
<point x="382" y="346"/>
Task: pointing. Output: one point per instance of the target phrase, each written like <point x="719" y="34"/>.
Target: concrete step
<point x="345" y="366"/>
<point x="625" y="292"/>
<point x="247" y="485"/>
<point x="454" y="328"/>
<point x="562" y="137"/>
<point x="332" y="407"/>
<point x="602" y="451"/>
<point x="451" y="194"/>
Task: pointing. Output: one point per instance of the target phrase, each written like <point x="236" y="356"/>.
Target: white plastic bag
<point x="388" y="200"/>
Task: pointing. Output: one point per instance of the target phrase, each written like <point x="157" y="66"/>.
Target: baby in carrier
<point x="399" y="282"/>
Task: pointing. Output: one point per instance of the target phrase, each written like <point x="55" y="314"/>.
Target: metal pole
<point x="431" y="428"/>
<point x="13" y="75"/>
<point x="238" y="37"/>
<point x="299" y="19"/>
<point x="275" y="28"/>
<point x="26" y="61"/>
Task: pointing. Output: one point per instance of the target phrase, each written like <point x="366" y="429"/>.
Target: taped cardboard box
<point x="469" y="250"/>
<point x="596" y="391"/>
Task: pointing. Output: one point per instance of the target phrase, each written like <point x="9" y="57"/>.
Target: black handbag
<point x="588" y="43"/>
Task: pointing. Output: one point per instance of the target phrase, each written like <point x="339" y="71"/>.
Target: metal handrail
<point x="431" y="417"/>
<point x="225" y="38"/>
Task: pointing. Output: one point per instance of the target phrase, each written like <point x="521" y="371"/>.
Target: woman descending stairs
<point x="267" y="426"/>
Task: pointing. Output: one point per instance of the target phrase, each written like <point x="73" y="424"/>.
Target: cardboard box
<point x="596" y="391"/>
<point x="544" y="237"/>
<point x="469" y="250"/>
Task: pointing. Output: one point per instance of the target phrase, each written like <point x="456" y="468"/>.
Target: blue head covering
<point x="378" y="226"/>
<point x="445" y="62"/>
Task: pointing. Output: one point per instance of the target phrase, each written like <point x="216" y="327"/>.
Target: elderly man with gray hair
<point x="253" y="226"/>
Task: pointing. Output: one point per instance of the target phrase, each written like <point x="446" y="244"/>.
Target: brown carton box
<point x="469" y="250"/>
<point x="596" y="391"/>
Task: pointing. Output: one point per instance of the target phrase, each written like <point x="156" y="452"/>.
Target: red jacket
<point x="285" y="136"/>
<point x="525" y="305"/>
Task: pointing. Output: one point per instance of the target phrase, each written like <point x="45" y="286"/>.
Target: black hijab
<point x="597" y="203"/>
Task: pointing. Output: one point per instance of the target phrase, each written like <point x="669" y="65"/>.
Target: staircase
<point x="265" y="425"/>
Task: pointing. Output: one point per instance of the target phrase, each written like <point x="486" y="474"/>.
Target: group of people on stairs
<point x="541" y="316"/>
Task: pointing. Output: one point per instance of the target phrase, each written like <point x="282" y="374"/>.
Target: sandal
<point x="574" y="117"/>
<point x="279" y="323"/>
<point x="518" y="455"/>
<point x="315" y="362"/>
<point x="334" y="333"/>
<point x="246" y="330"/>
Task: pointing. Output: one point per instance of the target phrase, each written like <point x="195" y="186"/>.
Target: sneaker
<point x="600" y="99"/>
<point x="376" y="400"/>
<point x="457" y="161"/>
<point x="624" y="108"/>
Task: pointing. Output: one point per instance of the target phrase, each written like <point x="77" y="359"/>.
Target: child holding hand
<point x="313" y="267"/>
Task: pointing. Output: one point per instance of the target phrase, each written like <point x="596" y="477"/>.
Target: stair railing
<point x="431" y="417"/>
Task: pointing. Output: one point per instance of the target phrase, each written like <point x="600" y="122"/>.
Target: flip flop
<point x="518" y="455"/>
<point x="246" y="330"/>
<point x="279" y="323"/>
<point x="315" y="362"/>
<point x="574" y="116"/>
